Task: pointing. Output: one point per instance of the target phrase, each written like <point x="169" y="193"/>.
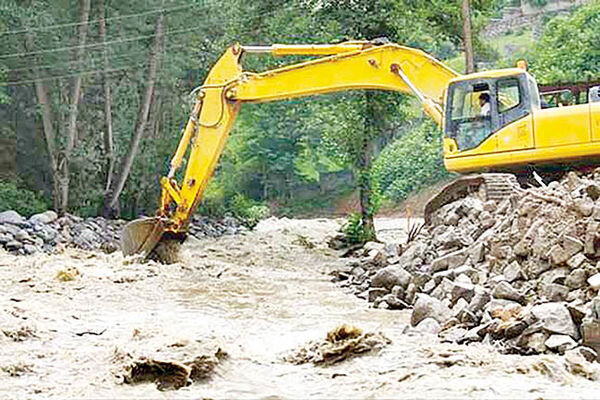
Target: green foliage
<point x="568" y="50"/>
<point x="249" y="211"/>
<point x="23" y="201"/>
<point x="354" y="229"/>
<point x="410" y="163"/>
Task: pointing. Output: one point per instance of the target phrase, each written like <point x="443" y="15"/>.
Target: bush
<point x="354" y="230"/>
<point x="410" y="163"/>
<point x="23" y="201"/>
<point x="249" y="211"/>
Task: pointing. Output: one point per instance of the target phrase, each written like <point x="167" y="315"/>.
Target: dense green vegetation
<point x="66" y="65"/>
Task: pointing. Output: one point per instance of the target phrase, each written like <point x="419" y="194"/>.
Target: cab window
<point x="509" y="95"/>
<point x="470" y="121"/>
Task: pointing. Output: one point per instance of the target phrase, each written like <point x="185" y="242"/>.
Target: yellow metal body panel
<point x="562" y="126"/>
<point x="518" y="135"/>
<point x="595" y="121"/>
<point x="361" y="69"/>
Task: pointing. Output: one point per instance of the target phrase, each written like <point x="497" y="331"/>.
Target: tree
<point x="568" y="49"/>
<point x="111" y="206"/>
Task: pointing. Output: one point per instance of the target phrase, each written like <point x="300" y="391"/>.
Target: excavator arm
<point x="344" y="66"/>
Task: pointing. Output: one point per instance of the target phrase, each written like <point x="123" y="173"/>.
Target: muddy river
<point x="68" y="323"/>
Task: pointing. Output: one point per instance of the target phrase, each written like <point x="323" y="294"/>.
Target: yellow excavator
<point x="492" y="122"/>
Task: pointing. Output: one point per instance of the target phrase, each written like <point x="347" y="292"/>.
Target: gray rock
<point x="23" y="236"/>
<point x="428" y="287"/>
<point x="475" y="334"/>
<point x="512" y="272"/>
<point x="576" y="261"/>
<point x="376" y="293"/>
<point x="391" y="276"/>
<point x="572" y="245"/>
<point x="555" y="292"/>
<point x="10" y="217"/>
<point x="398" y="291"/>
<point x="429" y="307"/>
<point x="587" y="353"/>
<point x="555" y="318"/>
<point x="504" y="290"/>
<point x="428" y="325"/>
<point x="46" y="217"/>
<point x="560" y="343"/>
<point x="576" y="279"/>
<point x="590" y="333"/>
<point x="29" y="249"/>
<point x="462" y="291"/>
<point x="411" y="292"/>
<point x="393" y="302"/>
<point x="556" y="275"/>
<point x="451" y="260"/>
<point x="480" y="299"/>
<point x="558" y="255"/>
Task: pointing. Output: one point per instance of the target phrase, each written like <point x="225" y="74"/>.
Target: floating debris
<point x="344" y="342"/>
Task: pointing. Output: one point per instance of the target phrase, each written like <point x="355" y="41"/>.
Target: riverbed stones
<point x="429" y="307"/>
<point x="526" y="268"/>
<point x="504" y="290"/>
<point x="46" y="232"/>
<point x="560" y="343"/>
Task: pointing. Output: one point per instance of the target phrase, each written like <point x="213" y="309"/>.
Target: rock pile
<point x="47" y="232"/>
<point x="523" y="272"/>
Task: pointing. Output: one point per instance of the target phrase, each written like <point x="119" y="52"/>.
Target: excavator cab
<point x="479" y="105"/>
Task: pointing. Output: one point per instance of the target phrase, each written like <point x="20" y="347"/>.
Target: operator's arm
<point x="353" y="65"/>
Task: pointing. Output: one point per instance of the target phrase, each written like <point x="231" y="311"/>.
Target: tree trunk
<point x="468" y="37"/>
<point x="62" y="197"/>
<point x="43" y="99"/>
<point x="111" y="206"/>
<point x="108" y="132"/>
<point x="364" y="168"/>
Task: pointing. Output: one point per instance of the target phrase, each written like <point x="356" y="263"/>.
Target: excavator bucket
<point x="141" y="236"/>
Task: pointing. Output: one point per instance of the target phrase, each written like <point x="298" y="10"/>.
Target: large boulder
<point x="555" y="318"/>
<point x="429" y="307"/>
<point x="11" y="217"/>
<point x="46" y="217"/>
<point x="391" y="276"/>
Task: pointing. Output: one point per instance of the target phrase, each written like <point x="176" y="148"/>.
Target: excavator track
<point x="489" y="186"/>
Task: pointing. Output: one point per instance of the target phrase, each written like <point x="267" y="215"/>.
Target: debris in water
<point x="67" y="274"/>
<point x="166" y="374"/>
<point x="169" y="375"/>
<point x="19" y="334"/>
<point x="341" y="343"/>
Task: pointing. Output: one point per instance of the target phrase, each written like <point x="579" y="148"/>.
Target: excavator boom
<point x="344" y="66"/>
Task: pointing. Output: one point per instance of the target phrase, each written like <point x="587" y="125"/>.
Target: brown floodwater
<point x="257" y="296"/>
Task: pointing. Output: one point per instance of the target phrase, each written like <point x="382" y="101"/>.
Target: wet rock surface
<point x="522" y="273"/>
<point x="48" y="233"/>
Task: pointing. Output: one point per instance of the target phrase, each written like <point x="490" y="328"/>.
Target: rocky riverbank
<point x="49" y="233"/>
<point x="523" y="273"/>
